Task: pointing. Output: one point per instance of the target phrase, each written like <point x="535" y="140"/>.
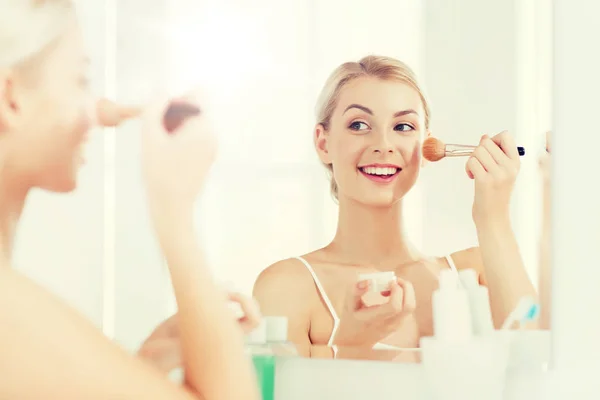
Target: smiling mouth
<point x="380" y="172"/>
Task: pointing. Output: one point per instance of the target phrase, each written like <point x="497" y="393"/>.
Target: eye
<point x="404" y="128"/>
<point x="358" y="126"/>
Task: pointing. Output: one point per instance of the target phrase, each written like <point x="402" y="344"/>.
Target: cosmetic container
<point x="379" y="283"/>
<point x="479" y="303"/>
<point x="451" y="310"/>
<point x="457" y="364"/>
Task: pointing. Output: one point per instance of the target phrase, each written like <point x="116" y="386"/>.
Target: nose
<point x="383" y="144"/>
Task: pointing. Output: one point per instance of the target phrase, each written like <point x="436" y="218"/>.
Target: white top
<point x="336" y="319"/>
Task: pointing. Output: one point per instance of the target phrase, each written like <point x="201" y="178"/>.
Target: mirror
<point x="485" y="68"/>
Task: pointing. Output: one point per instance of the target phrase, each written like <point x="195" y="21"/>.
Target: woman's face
<point x="46" y="111"/>
<point x="374" y="141"/>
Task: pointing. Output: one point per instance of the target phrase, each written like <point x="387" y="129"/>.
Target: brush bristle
<point x="434" y="149"/>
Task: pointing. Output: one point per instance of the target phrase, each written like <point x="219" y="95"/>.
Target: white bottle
<point x="451" y="310"/>
<point x="479" y="303"/>
<point x="277" y="336"/>
<point x="256" y="340"/>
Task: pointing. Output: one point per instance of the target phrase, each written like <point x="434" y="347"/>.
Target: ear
<point x="8" y="105"/>
<point x="424" y="161"/>
<point x="321" y="144"/>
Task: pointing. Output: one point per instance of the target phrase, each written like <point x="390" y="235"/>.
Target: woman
<point x="372" y="117"/>
<point x="48" y="350"/>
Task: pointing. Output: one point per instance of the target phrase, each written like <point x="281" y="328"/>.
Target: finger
<point x="507" y="144"/>
<point x="252" y="316"/>
<point x="374" y="312"/>
<point x="475" y="167"/>
<point x="356" y="294"/>
<point x="164" y="354"/>
<point x="468" y="171"/>
<point x="410" y="300"/>
<point x="396" y="300"/>
<point x="495" y="151"/>
<point x="396" y="297"/>
<point x="484" y="157"/>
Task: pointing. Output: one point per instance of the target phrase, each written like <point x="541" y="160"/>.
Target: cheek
<point x="411" y="151"/>
<point x="346" y="151"/>
<point x="76" y="120"/>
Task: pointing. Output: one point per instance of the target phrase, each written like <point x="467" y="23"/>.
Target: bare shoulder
<point x="469" y="259"/>
<point x="286" y="288"/>
<point x="284" y="276"/>
<point x="40" y="333"/>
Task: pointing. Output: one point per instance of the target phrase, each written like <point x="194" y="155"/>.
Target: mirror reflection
<point x="406" y="170"/>
<point x="382" y="177"/>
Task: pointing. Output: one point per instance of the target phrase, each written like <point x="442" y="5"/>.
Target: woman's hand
<point x="163" y="348"/>
<point x="175" y="164"/>
<point x="364" y="326"/>
<point x="494" y="165"/>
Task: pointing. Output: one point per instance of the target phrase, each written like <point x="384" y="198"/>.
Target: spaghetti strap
<point x="336" y="320"/>
<point x="451" y="263"/>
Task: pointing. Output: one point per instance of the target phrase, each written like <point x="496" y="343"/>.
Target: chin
<point x="66" y="185"/>
<point x="380" y="200"/>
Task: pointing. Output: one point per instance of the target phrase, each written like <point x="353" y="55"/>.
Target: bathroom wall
<point x="488" y="68"/>
<point x="268" y="197"/>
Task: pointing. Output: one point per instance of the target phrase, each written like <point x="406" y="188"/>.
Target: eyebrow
<point x="368" y="110"/>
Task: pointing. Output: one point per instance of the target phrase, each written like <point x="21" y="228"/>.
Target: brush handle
<point x="462" y="150"/>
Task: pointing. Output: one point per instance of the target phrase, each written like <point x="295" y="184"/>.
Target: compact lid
<point x="385" y="275"/>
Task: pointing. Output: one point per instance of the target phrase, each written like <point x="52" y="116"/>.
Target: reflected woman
<point x="372" y="118"/>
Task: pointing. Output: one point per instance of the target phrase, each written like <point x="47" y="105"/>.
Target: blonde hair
<point x="384" y="68"/>
<point x="28" y="27"/>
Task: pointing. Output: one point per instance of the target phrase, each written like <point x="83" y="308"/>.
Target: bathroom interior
<point x="486" y="66"/>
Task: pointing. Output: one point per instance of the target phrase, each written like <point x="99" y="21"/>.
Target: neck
<point x="372" y="236"/>
<point x="12" y="200"/>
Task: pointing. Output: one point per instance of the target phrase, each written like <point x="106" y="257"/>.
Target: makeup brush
<point x="434" y="149"/>
<point x="111" y="114"/>
<point x="177" y="112"/>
